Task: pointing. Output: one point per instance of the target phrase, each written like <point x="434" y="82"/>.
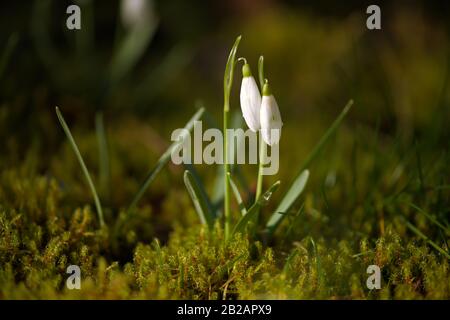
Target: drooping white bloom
<point x="133" y="12"/>
<point x="270" y="117"/>
<point x="250" y="99"/>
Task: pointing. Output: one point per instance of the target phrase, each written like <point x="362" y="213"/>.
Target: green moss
<point x="353" y="215"/>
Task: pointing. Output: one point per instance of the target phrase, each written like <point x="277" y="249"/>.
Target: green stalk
<point x="262" y="145"/>
<point x="262" y="153"/>
<point x="227" y="84"/>
<point x="226" y="111"/>
<point x="83" y="166"/>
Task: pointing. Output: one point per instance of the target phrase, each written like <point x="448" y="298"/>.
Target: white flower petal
<point x="250" y="102"/>
<point x="270" y="120"/>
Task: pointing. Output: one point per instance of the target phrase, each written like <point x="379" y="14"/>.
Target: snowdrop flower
<point x="250" y="98"/>
<point x="134" y="12"/>
<point x="270" y="117"/>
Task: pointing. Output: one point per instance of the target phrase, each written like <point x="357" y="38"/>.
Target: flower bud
<point x="270" y="117"/>
<point x="250" y="99"/>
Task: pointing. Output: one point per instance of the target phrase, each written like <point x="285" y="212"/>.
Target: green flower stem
<point x="227" y="84"/>
<point x="226" y="114"/>
<point x="262" y="145"/>
<point x="262" y="153"/>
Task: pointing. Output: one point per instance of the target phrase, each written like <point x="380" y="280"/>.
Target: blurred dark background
<point x="318" y="55"/>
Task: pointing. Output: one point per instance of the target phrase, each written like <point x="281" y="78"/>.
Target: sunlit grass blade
<point x="289" y="259"/>
<point x="288" y="200"/>
<point x="163" y="160"/>
<point x="83" y="166"/>
<point x="104" y="174"/>
<point x="254" y="209"/>
<point x="7" y="52"/>
<point x="424" y="237"/>
<point x="199" y="199"/>
<point x="320" y="273"/>
<point x="237" y="195"/>
<point x="223" y="270"/>
<point x="334" y="126"/>
<point x="431" y="218"/>
<point x="201" y="186"/>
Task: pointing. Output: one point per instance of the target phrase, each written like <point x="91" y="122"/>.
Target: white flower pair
<point x="260" y="113"/>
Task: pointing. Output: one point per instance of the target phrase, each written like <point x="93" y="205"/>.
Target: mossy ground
<point x="355" y="213"/>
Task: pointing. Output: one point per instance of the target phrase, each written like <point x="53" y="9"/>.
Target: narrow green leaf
<point x="82" y="164"/>
<point x="431" y="218"/>
<point x="424" y="237"/>
<point x="229" y="72"/>
<point x="199" y="182"/>
<point x="199" y="199"/>
<point x="237" y="195"/>
<point x="261" y="71"/>
<point x="227" y="84"/>
<point x="320" y="273"/>
<point x="163" y="160"/>
<point x="254" y="209"/>
<point x="289" y="259"/>
<point x="230" y="263"/>
<point x="288" y="200"/>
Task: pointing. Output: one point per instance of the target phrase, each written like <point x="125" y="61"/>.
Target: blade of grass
<point x="424" y="237"/>
<point x="286" y="203"/>
<point x="199" y="199"/>
<point x="289" y="259"/>
<point x="222" y="270"/>
<point x="83" y="166"/>
<point x="320" y="273"/>
<point x="237" y="195"/>
<point x="430" y="217"/>
<point x="163" y="160"/>
<point x="254" y="209"/>
<point x="293" y="222"/>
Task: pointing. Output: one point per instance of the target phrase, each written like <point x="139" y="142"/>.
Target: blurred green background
<point x="147" y="79"/>
<point x="318" y="55"/>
